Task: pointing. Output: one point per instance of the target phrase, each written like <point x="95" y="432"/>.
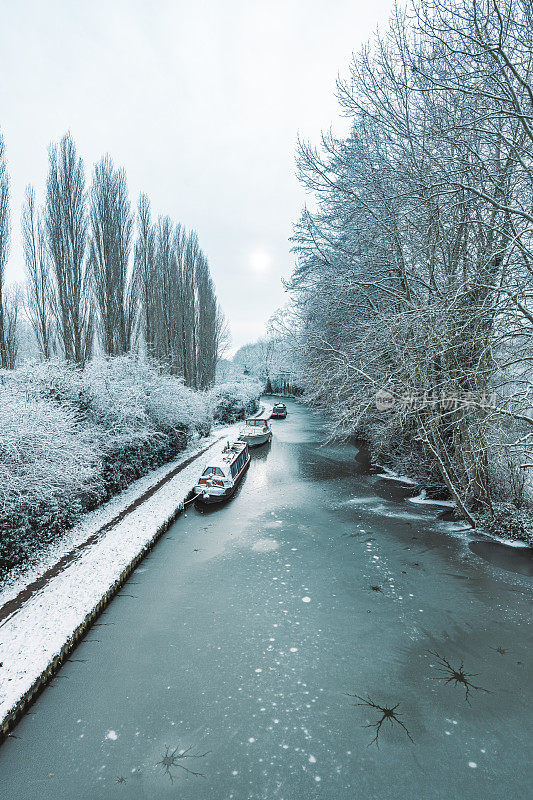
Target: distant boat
<point x="279" y="411"/>
<point x="255" y="432"/>
<point x="220" y="479"/>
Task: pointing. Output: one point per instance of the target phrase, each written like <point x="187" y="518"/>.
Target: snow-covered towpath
<point x="50" y="606"/>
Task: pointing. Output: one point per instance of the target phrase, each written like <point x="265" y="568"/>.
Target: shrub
<point x="47" y="462"/>
<point x="235" y="400"/>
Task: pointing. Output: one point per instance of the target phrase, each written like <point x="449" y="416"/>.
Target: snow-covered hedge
<point x="49" y="466"/>
<point x="121" y="394"/>
<point x="69" y="439"/>
<point x="235" y="400"/>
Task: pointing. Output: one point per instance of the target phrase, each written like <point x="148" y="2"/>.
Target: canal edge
<point x="17" y="711"/>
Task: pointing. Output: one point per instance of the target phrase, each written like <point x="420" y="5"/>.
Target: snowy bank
<point x="391" y="475"/>
<point x="45" y="613"/>
<point x="70" y="439"/>
<point x="422" y="500"/>
<point x="55" y="612"/>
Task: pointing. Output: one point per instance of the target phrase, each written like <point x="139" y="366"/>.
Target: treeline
<point x="270" y="360"/>
<point x="414" y="279"/>
<point x="101" y="277"/>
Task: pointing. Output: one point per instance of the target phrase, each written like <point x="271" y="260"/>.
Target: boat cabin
<point x="256" y="431"/>
<point x="254" y="422"/>
<point x="237" y="465"/>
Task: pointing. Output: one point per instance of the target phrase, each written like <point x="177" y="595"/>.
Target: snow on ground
<point x="33" y="635"/>
<point x="469" y="534"/>
<point x="421" y="499"/>
<point x="390" y="475"/>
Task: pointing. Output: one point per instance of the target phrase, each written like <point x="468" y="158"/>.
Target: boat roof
<point x="230" y="453"/>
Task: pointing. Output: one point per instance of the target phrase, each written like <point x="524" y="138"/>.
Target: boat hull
<point x="255" y="441"/>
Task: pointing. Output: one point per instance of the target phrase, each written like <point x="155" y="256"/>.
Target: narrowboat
<point x="256" y="431"/>
<point x="279" y="411"/>
<point x="220" y="479"/>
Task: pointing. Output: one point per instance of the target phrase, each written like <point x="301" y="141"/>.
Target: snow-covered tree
<point x="414" y="273"/>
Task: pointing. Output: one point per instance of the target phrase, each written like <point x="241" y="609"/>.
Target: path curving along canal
<point x="317" y="637"/>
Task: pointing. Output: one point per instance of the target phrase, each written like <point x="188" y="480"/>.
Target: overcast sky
<point x="201" y="102"/>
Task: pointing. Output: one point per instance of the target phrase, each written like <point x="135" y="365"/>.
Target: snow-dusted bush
<point x="235" y="400"/>
<point x="49" y="467"/>
<point x="509" y="522"/>
<point x="123" y="394"/>
<point x="43" y="449"/>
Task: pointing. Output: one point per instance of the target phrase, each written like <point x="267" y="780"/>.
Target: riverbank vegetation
<point x="413" y="286"/>
<point x="269" y="360"/>
<point x="71" y="438"/>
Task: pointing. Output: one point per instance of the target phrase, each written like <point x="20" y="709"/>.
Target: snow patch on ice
<point x="390" y="475"/>
<point x="265" y="545"/>
<point x="421" y="499"/>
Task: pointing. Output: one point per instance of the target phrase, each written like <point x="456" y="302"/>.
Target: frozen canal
<point x="240" y="638"/>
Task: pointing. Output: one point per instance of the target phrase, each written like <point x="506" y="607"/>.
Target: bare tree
<point x="12" y="302"/>
<point x="145" y="275"/>
<point x="39" y="287"/>
<point x="414" y="273"/>
<point x="4" y="250"/>
<point x="65" y="220"/>
<point x="190" y="266"/>
<point x="111" y="223"/>
<point x="168" y="312"/>
<point x="183" y="326"/>
<point x="210" y="325"/>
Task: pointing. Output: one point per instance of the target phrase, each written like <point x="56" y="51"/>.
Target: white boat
<point x="221" y="477"/>
<point x="256" y="431"/>
<point x="279" y="411"/>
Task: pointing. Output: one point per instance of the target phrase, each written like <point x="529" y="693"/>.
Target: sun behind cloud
<point x="259" y="262"/>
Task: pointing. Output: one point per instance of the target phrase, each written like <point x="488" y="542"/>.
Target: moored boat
<point x="220" y="478"/>
<point x="279" y="411"/>
<point x="256" y="431"/>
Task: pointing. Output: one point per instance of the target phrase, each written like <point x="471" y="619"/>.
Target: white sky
<point x="201" y="102"/>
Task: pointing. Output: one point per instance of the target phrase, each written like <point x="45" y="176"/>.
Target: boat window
<point x="214" y="471"/>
